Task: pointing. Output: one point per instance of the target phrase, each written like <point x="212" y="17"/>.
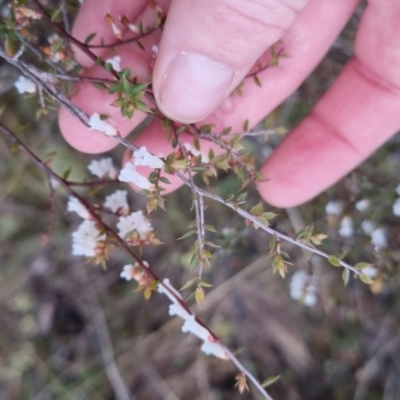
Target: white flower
<point x="370" y="271"/>
<point x="103" y="168"/>
<point x="137" y="222"/>
<point x="96" y="123"/>
<point x="398" y="189"/>
<point x="367" y="226"/>
<point x="334" y="207"/>
<point x="396" y="207"/>
<point x="129" y="174"/>
<point x="196" y="153"/>
<point x="363" y="205"/>
<point x="144" y="158"/>
<point x="346" y="227"/>
<point x="135" y="272"/>
<point x="162" y="289"/>
<point x="25" y="85"/>
<point x="117" y="202"/>
<point x="115" y="63"/>
<point x="193" y="327"/>
<point x="378" y="238"/>
<point x="178" y="310"/>
<point x="215" y="349"/>
<point x="304" y="287"/>
<point x="85" y="238"/>
<point x="74" y="205"/>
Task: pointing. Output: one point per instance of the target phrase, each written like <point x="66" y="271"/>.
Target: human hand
<point x="207" y="48"/>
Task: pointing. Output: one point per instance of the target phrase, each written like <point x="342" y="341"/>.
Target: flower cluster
<point x="103" y="168"/>
<point x="115" y="63"/>
<point x="210" y="346"/>
<point x="335" y="208"/>
<point x="96" y="123"/>
<point x="135" y="228"/>
<point x="135" y="272"/>
<point x="143" y="158"/>
<point x="396" y="205"/>
<point x="87" y="239"/>
<point x="304" y="288"/>
<point x="25" y="85"/>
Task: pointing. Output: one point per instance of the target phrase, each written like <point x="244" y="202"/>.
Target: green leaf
<point x="90" y="38"/>
<point x="186" y="235"/>
<point x="210" y="228"/>
<point x="67" y="173"/>
<point x="99" y="85"/>
<point x="272" y="244"/>
<point x="257" y="209"/>
<point x="199" y="295"/>
<point x="241" y="197"/>
<point x="346" y="276"/>
<point x="226" y="130"/>
<point x="56" y="14"/>
<point x="246" y="125"/>
<point x="211" y="244"/>
<point x="366" y="279"/>
<point x="333" y="260"/>
<point x="163" y="179"/>
<point x="188" y="284"/>
<point x="256" y="81"/>
<point x="362" y="265"/>
<point x="270" y="381"/>
<point x="140" y="105"/>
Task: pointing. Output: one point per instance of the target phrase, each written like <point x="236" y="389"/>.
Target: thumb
<point x="208" y="47"/>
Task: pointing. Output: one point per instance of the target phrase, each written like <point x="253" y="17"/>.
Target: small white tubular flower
<point x="161" y="289"/>
<point x="178" y="310"/>
<point x="378" y="238"/>
<point x="196" y="153"/>
<point x="346" y="227"/>
<point x="367" y="226"/>
<point x="103" y="168"/>
<point x="96" y="123"/>
<point x="25" y="85"/>
<point x="144" y="158"/>
<point x="115" y="63"/>
<point x="137" y="222"/>
<point x="215" y="349"/>
<point x="334" y="207"/>
<point x="135" y="272"/>
<point x="303" y="287"/>
<point x="193" y="327"/>
<point x="85" y="238"/>
<point x="129" y="174"/>
<point x="74" y="205"/>
<point x="363" y="205"/>
<point x="117" y="202"/>
<point x="370" y="271"/>
<point x="396" y="207"/>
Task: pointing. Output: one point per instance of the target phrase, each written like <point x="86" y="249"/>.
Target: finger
<point x="90" y="19"/>
<point x="207" y="48"/>
<point x="357" y="115"/>
<point x="306" y="42"/>
<point x="93" y="100"/>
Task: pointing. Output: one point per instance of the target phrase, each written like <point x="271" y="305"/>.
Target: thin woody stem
<point x="50" y="173"/>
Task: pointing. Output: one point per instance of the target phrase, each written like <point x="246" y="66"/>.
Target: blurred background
<point x="71" y="330"/>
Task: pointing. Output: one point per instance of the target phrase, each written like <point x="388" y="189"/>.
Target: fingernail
<point x="194" y="87"/>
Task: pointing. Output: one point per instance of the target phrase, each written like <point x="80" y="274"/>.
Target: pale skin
<point x="214" y="43"/>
